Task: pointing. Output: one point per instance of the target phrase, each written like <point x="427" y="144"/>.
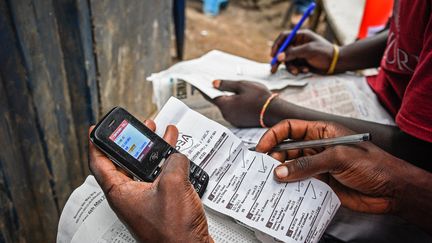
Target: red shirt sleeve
<point x="415" y="115"/>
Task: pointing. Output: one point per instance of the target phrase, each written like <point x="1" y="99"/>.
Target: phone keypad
<point x="198" y="178"/>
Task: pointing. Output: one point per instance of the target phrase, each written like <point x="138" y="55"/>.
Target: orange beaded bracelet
<point x="264" y="108"/>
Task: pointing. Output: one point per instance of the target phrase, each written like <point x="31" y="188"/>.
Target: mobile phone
<point x="137" y="149"/>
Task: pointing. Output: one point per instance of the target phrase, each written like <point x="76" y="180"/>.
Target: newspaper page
<point x="344" y="94"/>
<point x="87" y="217"/>
<point x="241" y="181"/>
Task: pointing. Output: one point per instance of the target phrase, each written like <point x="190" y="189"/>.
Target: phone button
<point x="154" y="156"/>
<point x="198" y="172"/>
<point x="156" y="172"/>
<point x="161" y="162"/>
<point x="193" y="182"/>
<point x="198" y="188"/>
<point x="170" y="151"/>
<point x="192" y="168"/>
<point x="203" y="177"/>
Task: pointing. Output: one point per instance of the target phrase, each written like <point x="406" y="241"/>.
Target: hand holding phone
<point x="137" y="149"/>
<point x="149" y="208"/>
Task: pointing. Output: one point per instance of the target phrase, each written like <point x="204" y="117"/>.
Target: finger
<point x="150" y="124"/>
<point x="304" y="69"/>
<point x="105" y="172"/>
<point x="305" y="167"/>
<point x="124" y="172"/>
<point x="274" y="68"/>
<point x="225" y="85"/>
<point x="171" y="135"/>
<point x="279" y="156"/>
<point x="296" y="52"/>
<point x="223" y="100"/>
<point x="293" y="153"/>
<point x="175" y="174"/>
<point x="294" y="129"/>
<point x="293" y="69"/>
<point x="278" y="42"/>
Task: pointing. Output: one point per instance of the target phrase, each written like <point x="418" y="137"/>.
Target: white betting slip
<point x="241" y="181"/>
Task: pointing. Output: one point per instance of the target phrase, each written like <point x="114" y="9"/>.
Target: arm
<point x="249" y="100"/>
<point x="389" y="138"/>
<point x="365" y="178"/>
<point x="371" y="51"/>
<point x="417" y="195"/>
<point x="309" y="51"/>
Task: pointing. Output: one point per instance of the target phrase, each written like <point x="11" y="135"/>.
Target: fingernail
<point x="281" y="171"/>
<point x="216" y="83"/>
<point x="294" y="71"/>
<point x="281" y="56"/>
<point x="305" y="70"/>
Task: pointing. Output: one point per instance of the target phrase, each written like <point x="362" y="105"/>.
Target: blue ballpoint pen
<point x="293" y="33"/>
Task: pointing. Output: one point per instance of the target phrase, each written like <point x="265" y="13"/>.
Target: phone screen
<point x="131" y="140"/>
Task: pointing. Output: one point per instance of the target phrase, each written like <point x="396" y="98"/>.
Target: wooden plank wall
<point x="63" y="63"/>
<point x="130" y="49"/>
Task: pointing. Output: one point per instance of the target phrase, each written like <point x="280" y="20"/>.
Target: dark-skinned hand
<point x="307" y="52"/>
<point x="167" y="210"/>
<point x="366" y="178"/>
<point x="243" y="108"/>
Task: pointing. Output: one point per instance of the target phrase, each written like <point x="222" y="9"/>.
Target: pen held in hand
<point x="289" y="145"/>
<point x="291" y="36"/>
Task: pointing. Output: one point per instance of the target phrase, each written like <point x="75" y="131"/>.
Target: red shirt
<point x="404" y="83"/>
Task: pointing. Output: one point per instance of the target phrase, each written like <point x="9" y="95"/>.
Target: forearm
<point x="362" y="54"/>
<point x="414" y="196"/>
<point x="389" y="138"/>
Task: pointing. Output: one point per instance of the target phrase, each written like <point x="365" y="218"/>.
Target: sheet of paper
<point x="85" y="202"/>
<point x="87" y="217"/>
<point x="214" y="65"/>
<point x="345" y="94"/>
<point x="241" y="181"/>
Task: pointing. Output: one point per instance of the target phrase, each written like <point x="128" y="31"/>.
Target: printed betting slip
<point x="241" y="181"/>
<point x="241" y="188"/>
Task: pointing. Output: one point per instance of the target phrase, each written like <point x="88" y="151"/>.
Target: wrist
<point x="277" y="110"/>
<point x="334" y="60"/>
<point x="414" y="196"/>
<point x="414" y="189"/>
<point x="264" y="109"/>
<point x="340" y="65"/>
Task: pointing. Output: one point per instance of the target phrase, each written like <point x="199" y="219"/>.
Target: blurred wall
<point x="63" y="64"/>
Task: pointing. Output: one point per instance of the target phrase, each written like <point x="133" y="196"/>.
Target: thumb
<point x="175" y="173"/>
<point x="305" y="167"/>
<point x="295" y="52"/>
<point x="230" y="86"/>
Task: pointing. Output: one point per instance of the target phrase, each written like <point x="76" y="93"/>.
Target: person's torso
<point x="404" y="45"/>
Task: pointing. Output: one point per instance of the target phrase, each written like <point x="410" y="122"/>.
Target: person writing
<point x="403" y="85"/>
<point x="365" y="178"/>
